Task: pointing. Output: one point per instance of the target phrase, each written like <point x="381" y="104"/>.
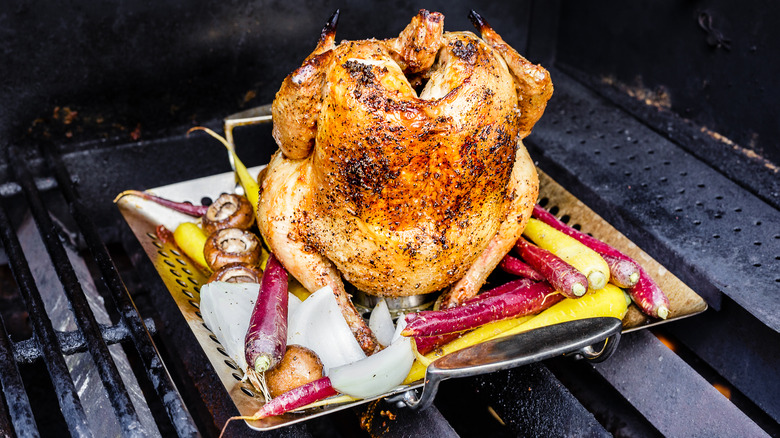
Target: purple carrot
<point x="293" y="399"/>
<point x="426" y="344"/>
<point x="622" y="272"/>
<point x="297" y="397"/>
<point x="646" y="294"/>
<point x="266" y="338"/>
<point x="498" y="290"/>
<point x="518" y="302"/>
<point x="589" y="241"/>
<point x="182" y="207"/>
<point x="515" y="266"/>
<point x="561" y="275"/>
<point x="649" y="297"/>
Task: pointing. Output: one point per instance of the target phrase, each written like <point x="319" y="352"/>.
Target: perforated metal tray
<point x="183" y="279"/>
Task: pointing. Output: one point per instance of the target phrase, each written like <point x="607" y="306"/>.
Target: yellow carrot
<point x="608" y="301"/>
<point x="296" y="288"/>
<point x="584" y="259"/>
<point x="473" y="337"/>
<point x="191" y="239"/>
<point x="249" y="184"/>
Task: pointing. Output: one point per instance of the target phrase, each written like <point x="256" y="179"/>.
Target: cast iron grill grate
<point x="52" y="347"/>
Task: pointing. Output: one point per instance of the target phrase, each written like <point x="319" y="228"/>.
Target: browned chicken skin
<point x="402" y="192"/>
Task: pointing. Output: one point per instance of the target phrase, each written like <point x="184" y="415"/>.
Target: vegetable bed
<point x="183" y="279"/>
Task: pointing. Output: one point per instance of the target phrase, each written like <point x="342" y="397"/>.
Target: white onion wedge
<point x="226" y="309"/>
<point x="381" y="323"/>
<point x="319" y="325"/>
<point x="376" y="374"/>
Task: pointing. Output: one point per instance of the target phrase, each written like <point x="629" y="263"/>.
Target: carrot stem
<point x="182" y="207"/>
<point x="251" y="188"/>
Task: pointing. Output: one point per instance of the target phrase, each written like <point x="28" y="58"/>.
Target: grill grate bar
<point x="71" y="342"/>
<point x="72" y="410"/>
<point x="112" y="381"/>
<point x="138" y="328"/>
<point x="15" y="396"/>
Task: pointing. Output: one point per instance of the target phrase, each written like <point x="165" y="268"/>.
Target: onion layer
<point x="376" y="374"/>
<point x="381" y="323"/>
<point x="319" y="325"/>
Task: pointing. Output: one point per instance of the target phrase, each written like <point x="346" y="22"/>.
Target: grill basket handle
<point x="575" y="338"/>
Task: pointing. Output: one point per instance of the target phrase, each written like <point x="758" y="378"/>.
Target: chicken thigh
<point x="400" y="167"/>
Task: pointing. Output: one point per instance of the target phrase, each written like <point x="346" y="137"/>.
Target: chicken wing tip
<point x="329" y="30"/>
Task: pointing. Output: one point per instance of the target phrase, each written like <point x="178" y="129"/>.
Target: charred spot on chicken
<point x="400" y="166"/>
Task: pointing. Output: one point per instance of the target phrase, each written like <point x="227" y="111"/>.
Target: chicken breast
<point x="400" y="167"/>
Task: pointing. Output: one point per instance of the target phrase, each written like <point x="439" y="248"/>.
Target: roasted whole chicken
<point x="400" y="166"/>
